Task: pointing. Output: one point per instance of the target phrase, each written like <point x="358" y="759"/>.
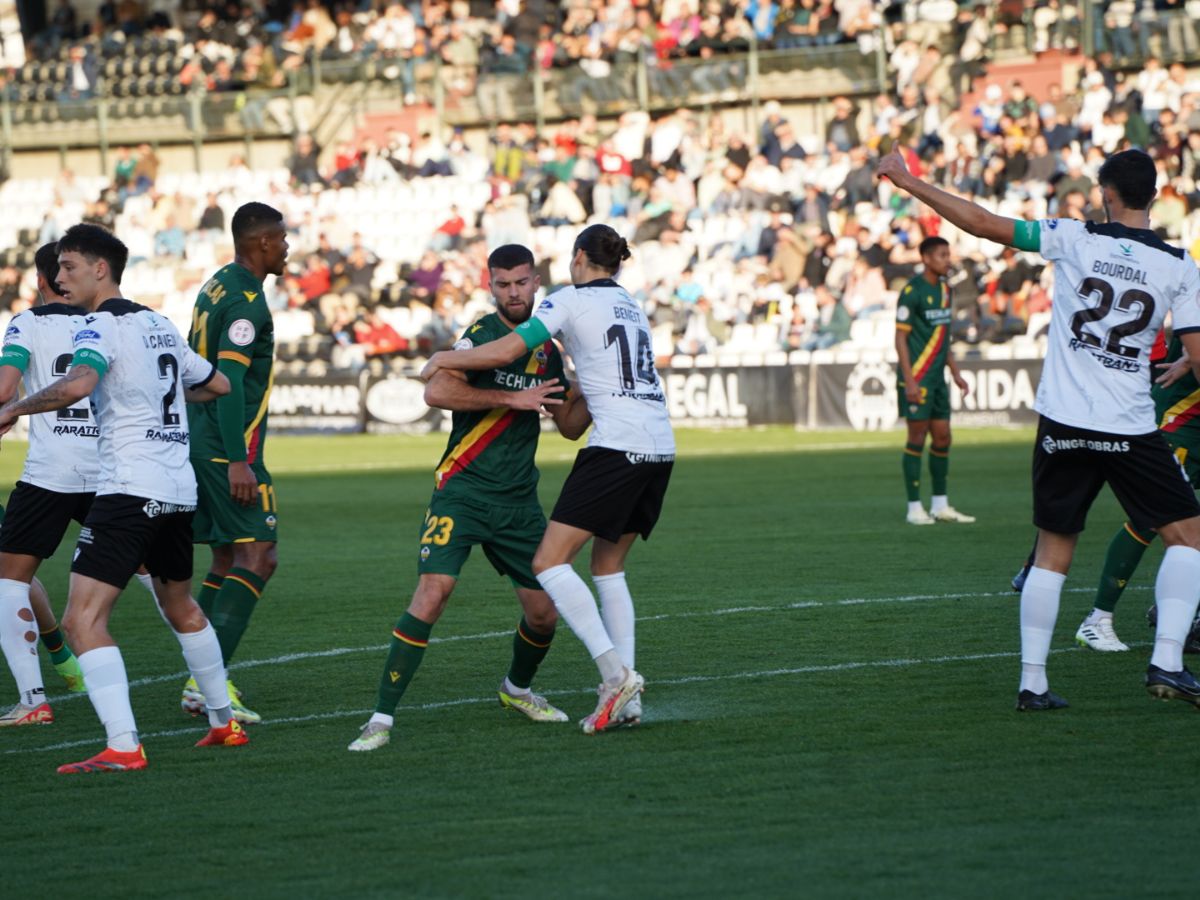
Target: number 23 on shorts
<point x="437" y="529"/>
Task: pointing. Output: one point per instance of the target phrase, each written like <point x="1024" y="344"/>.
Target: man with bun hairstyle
<point x="615" y="490"/>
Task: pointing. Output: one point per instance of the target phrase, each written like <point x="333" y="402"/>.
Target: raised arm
<point x="970" y="217"/>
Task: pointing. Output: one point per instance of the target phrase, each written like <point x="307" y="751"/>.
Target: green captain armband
<point x="533" y="332"/>
<point x="17" y="357"/>
<point x="1027" y="236"/>
<point x="85" y="356"/>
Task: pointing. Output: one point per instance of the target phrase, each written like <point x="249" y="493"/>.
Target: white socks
<point x="1176" y="592"/>
<point x="937" y="503"/>
<point x="914" y="506"/>
<point x="616" y="609"/>
<point x="1096" y="616"/>
<point x="202" y="653"/>
<point x="18" y="640"/>
<point x="1039" y="612"/>
<point x="577" y="606"/>
<point x="108" y="689"/>
<point x="382" y="719"/>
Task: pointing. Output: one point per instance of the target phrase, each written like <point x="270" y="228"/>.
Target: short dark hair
<point x="510" y="256"/>
<point x="251" y="217"/>
<point x="96" y="242"/>
<point x="603" y="246"/>
<point x="930" y="244"/>
<point x="46" y="263"/>
<point x="1132" y="175"/>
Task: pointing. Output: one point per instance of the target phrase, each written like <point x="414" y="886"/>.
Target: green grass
<point x="795" y="745"/>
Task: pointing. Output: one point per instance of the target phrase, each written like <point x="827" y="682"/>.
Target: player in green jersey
<point x="923" y="316"/>
<point x="236" y="516"/>
<point x="485" y="494"/>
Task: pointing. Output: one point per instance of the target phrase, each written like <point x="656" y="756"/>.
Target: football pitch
<point x="829" y="707"/>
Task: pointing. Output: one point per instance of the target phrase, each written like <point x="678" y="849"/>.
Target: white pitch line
<point x="488" y="635"/>
<point x="664" y="682"/>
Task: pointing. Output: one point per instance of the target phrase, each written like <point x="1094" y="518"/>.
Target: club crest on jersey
<point x="241" y="332"/>
<point x="271" y="521"/>
<point x="424" y="554"/>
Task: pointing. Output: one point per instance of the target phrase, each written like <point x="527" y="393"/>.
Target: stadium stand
<point x="749" y="240"/>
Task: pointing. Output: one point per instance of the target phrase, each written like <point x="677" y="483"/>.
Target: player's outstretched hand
<point x="1173" y="371"/>
<point x="431" y="367"/>
<point x="243" y="486"/>
<point x="892" y="167"/>
<point x="537" y="396"/>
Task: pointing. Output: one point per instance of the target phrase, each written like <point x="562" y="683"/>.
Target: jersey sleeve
<point x="16" y="343"/>
<point x="94" y="346"/>
<point x="906" y="307"/>
<point x="196" y="371"/>
<point x="242" y="325"/>
<point x="474" y="336"/>
<point x="555" y="312"/>
<point x="1059" y="237"/>
<point x="1185" y="306"/>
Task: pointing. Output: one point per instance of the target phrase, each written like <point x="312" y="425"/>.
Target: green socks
<point x="208" y="593"/>
<point x="56" y="646"/>
<point x="529" y="649"/>
<point x="232" y="607"/>
<point x="409" y="640"/>
<point x="1124" y="553"/>
<point x="911" y="465"/>
<point x="939" y="466"/>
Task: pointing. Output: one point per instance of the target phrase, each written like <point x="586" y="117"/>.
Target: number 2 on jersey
<point x="168" y="368"/>
<point x="632" y="371"/>
<point x="71" y="413"/>
<point x="1103" y="291"/>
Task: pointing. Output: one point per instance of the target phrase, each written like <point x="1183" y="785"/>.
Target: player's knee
<point x="259" y="558"/>
<point x="430" y="598"/>
<point x="542" y="618"/>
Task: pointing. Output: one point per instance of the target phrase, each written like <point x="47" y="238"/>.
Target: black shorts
<point x="1070" y="465"/>
<point x="123" y="532"/>
<point x="611" y="493"/>
<point x="37" y="519"/>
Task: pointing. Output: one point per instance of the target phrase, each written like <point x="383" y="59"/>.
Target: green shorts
<point x="1185" y="444"/>
<point x="221" y="520"/>
<point x="935" y="402"/>
<point x="509" y="536"/>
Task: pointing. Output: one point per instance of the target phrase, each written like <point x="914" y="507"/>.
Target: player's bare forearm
<point x="970" y="217"/>
<point x="449" y="390"/>
<point x="902" y="359"/>
<point x="488" y="356"/>
<point x="217" y="386"/>
<point x="573" y="417"/>
<point x="79" y="381"/>
<point x="10" y="377"/>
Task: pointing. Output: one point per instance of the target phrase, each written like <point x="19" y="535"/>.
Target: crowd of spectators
<point x="775" y="240"/>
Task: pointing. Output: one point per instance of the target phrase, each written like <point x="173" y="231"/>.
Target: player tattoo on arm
<point x="79" y="381"/>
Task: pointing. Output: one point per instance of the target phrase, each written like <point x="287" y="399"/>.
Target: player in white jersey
<point x="615" y="490"/>
<point x="138" y="371"/>
<point x="1114" y="283"/>
<point x="56" y="486"/>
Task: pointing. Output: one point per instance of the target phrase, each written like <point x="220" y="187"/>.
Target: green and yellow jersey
<point x="1177" y="407"/>
<point x="490" y="454"/>
<point x="232" y="328"/>
<point x="923" y="311"/>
